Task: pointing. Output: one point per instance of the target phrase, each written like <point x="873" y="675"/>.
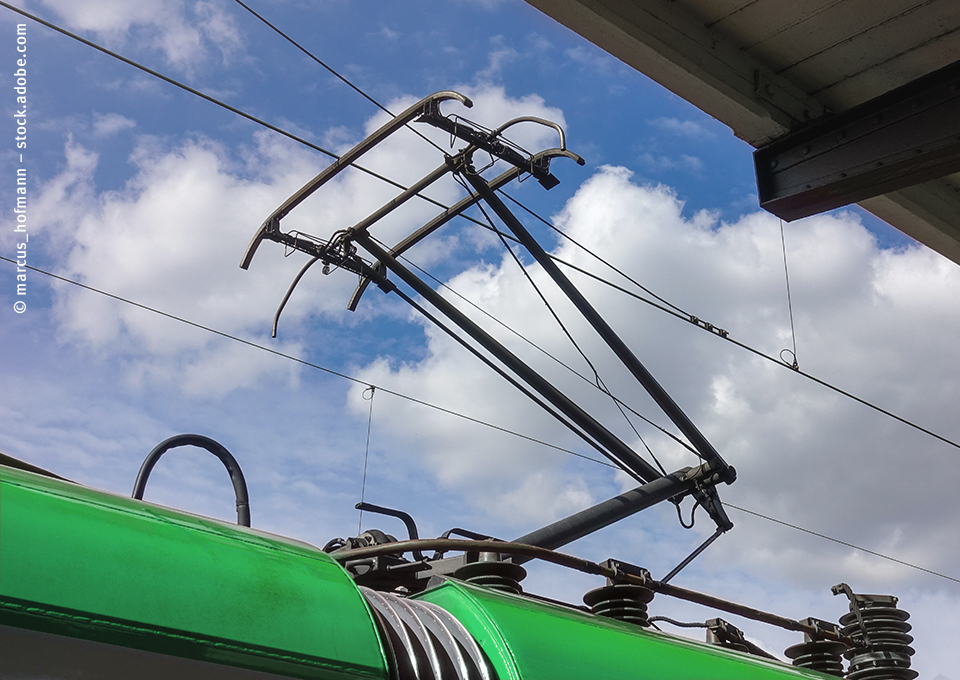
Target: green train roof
<point x="532" y="640"/>
<point x="83" y="563"/>
<point x="95" y="566"/>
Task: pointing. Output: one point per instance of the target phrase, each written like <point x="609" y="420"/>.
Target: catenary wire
<point x="217" y="102"/>
<point x="725" y="336"/>
<point x="786" y="275"/>
<point x="310" y="364"/>
<point x="434" y="406"/>
<point x="598" y="381"/>
<point x="251" y="117"/>
<point x="582" y="247"/>
<point x="366" y="453"/>
<point x="844" y="543"/>
<point x="334" y="72"/>
<point x="501" y="234"/>
<point x="686" y="317"/>
<point x="567" y="422"/>
<point x="553" y="357"/>
<point x="398" y="185"/>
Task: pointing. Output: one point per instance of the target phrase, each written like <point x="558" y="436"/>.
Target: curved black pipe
<point x="214" y="447"/>
<point x="399" y="514"/>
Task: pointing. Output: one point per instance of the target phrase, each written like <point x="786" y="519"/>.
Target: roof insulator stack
<point x="880" y="631"/>
<point x="817" y="653"/>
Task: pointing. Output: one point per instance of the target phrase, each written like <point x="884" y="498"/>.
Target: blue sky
<point x="152" y="194"/>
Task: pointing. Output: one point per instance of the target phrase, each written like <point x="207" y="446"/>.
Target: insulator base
<point x="622" y="601"/>
<point x="503" y="576"/>
<point x="825" y="656"/>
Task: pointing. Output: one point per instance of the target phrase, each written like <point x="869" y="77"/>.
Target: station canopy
<point x="846" y="101"/>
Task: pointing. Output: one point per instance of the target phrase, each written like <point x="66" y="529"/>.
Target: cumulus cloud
<point x="172" y="238"/>
<point x="185" y="32"/>
<point x="110" y="124"/>
<point x="806" y="454"/>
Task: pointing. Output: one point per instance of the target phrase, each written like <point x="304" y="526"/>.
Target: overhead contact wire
<point x="786" y="275"/>
<point x="603" y="261"/>
<point x="438" y="408"/>
<point x="334" y="72"/>
<point x="556" y="359"/>
<point x="844" y="543"/>
<point x="221" y="104"/>
<point x="599" y="381"/>
<point x="304" y="362"/>
<point x="725" y="336"/>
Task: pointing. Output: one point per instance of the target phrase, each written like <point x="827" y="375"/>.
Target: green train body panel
<point x="530" y="640"/>
<point x="92" y="565"/>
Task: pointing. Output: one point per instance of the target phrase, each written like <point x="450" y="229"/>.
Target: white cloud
<point x="805" y="454"/>
<point x="387" y="34"/>
<point x="173" y="236"/>
<point x="684" y="162"/>
<point x="183" y="31"/>
<point x="110" y="124"/>
<point x="591" y="58"/>
<point x="497" y="58"/>
<point x="219" y="27"/>
<point x="681" y="128"/>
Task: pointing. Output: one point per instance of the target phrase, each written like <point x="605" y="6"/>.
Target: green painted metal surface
<point x="87" y="564"/>
<point x="531" y="640"/>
